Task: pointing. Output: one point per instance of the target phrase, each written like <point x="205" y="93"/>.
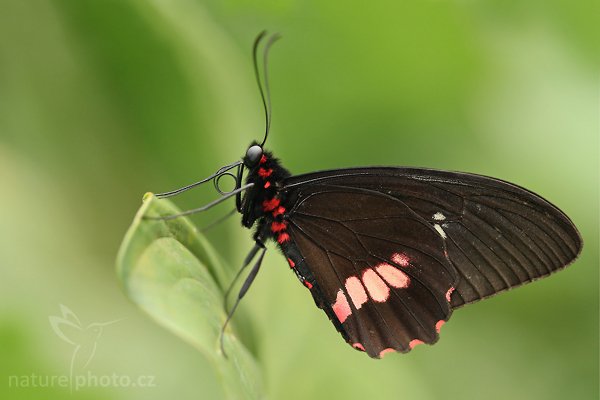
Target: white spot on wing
<point x="439" y="229"/>
<point x="438" y="216"/>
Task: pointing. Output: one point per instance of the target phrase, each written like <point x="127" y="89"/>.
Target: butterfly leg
<point x="233" y="193"/>
<point x="247" y="260"/>
<point x="247" y="283"/>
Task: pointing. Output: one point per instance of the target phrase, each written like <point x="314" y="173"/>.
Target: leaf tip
<point x="147" y="197"/>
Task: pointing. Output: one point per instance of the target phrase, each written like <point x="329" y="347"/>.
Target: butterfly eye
<point x="253" y="155"/>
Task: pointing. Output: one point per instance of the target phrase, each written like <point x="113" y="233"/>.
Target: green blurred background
<point x="101" y="101"/>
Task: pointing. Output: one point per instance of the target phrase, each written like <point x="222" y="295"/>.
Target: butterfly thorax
<point x="264" y="201"/>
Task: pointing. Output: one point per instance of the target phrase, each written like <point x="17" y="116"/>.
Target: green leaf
<point x="168" y="269"/>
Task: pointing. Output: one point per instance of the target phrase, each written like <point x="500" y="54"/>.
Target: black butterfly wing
<point x="390" y="251"/>
<point x="383" y="289"/>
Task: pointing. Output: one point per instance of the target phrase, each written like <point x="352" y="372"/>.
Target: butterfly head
<point x="253" y="155"/>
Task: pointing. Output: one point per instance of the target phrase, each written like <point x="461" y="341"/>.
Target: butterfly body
<point x="267" y="205"/>
<point x="262" y="201"/>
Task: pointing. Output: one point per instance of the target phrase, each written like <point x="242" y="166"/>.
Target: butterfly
<point x="388" y="253"/>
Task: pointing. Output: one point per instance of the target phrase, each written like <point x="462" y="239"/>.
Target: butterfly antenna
<point x="243" y="290"/>
<point x="272" y="40"/>
<point x="265" y="93"/>
<point x="257" y="41"/>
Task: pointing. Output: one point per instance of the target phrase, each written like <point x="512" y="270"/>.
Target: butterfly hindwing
<point x="385" y="288"/>
<point x="413" y="236"/>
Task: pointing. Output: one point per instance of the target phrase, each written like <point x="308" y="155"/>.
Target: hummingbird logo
<point x="84" y="339"/>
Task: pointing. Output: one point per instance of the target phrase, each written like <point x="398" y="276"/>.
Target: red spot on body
<point x="377" y="288"/>
<point x="270" y="205"/>
<point x="278" y="211"/>
<point x="292" y="264"/>
<point x="307" y="284"/>
<point x="401" y="259"/>
<point x="358" y="346"/>
<point x="267" y="184"/>
<point x="265" y="173"/>
<point x="449" y="293"/>
<point x="385" y="351"/>
<point x="356" y="290"/>
<point x="393" y="276"/>
<point x="439" y="324"/>
<point x="282" y="238"/>
<point x="263" y="159"/>
<point x="414" y="343"/>
<point x="341" y="308"/>
<point x="278" y="226"/>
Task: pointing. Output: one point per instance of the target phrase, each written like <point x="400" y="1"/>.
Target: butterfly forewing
<point x="387" y="247"/>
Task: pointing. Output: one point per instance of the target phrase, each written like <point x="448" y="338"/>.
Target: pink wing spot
<point x="279" y="211"/>
<point x="265" y="173"/>
<point x="308" y="284"/>
<point x="393" y="276"/>
<point x="401" y="259"/>
<point x="292" y="264"/>
<point x="449" y="293"/>
<point x="278" y="226"/>
<point x="282" y="238"/>
<point x="263" y="159"/>
<point x="358" y="346"/>
<point x="385" y="351"/>
<point x="439" y="324"/>
<point x="270" y="205"/>
<point x="267" y="184"/>
<point x="377" y="288"/>
<point x="414" y="343"/>
<point x="341" y="308"/>
<point x="356" y="291"/>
